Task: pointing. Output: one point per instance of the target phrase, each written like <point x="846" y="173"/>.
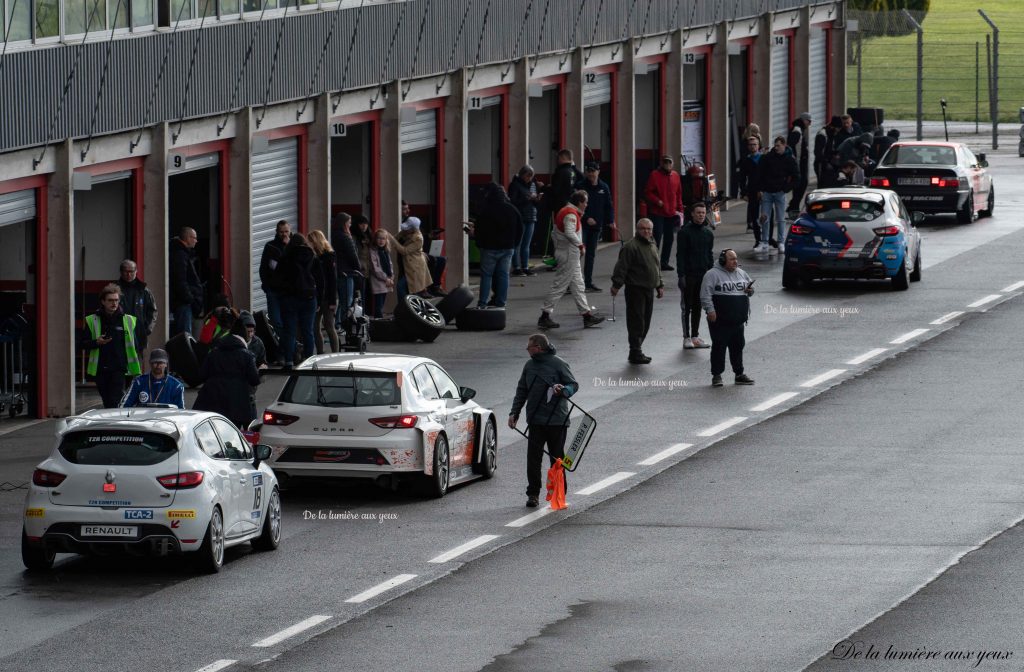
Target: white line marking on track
<point x="530" y="517"/>
<point x="721" y="427"/>
<point x="870" y="354"/>
<point x="774" y="401"/>
<point x="217" y="666"/>
<point x="947" y="317"/>
<point x="818" y="380"/>
<point x="908" y="336"/>
<point x="1014" y="287"/>
<point x="605" y="482"/>
<point x="310" y="622"/>
<point x="668" y="452"/>
<point x="381" y="588"/>
<point x="983" y="300"/>
<point x="464" y="548"/>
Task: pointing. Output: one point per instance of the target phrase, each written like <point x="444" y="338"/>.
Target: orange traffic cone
<point x="556" y="486"/>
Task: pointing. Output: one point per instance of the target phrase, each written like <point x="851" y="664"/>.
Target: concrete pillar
<point x="719" y="110"/>
<point x="240" y="228"/>
<point x="761" y="73"/>
<point x="155" y="231"/>
<point x="624" y="177"/>
<point x="318" y="146"/>
<point x="456" y="176"/>
<point x="574" y="107"/>
<point x="801" y="66"/>
<point x="61" y="350"/>
<point x="519" y="118"/>
<point x="673" y="91"/>
<point x="391" y="159"/>
<point x="837" y="68"/>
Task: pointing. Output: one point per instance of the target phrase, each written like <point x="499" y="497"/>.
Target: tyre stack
<point x="417" y="319"/>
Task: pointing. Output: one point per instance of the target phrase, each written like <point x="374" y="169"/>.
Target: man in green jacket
<point x="694" y="257"/>
<point x="639" y="269"/>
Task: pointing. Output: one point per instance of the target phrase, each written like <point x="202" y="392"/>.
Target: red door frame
<point x="503" y="91"/>
<point x="372" y="118"/>
<point x="302" y="133"/>
<point x="223" y="149"/>
<point x="41" y="295"/>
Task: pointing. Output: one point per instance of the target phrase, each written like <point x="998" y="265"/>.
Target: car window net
<point x="335" y="390"/>
<point x="922" y="156"/>
<point x="117" y="448"/>
<point x="854" y="211"/>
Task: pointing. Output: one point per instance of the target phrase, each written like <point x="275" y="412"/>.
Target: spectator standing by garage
<point x="563" y="184"/>
<point x="848" y="128"/>
<point x="799" y="142"/>
<point x="524" y="192"/>
<point x="855" y="149"/>
<point x="850" y="175"/>
<point x="664" y="194"/>
<point x="363" y="235"/>
<point x="694" y="258"/>
<point x="725" y="296"/>
<point x="543" y="388"/>
<point x="777" y="172"/>
<point x="881" y="143"/>
<point x="228" y="372"/>
<point x="568" y="274"/>
<point x="382" y="272"/>
<point x="824" y="145"/>
<point x="600" y="214"/>
<point x="109" y="340"/>
<point x="750" y="192"/>
<point x="157" y="386"/>
<point x="253" y="342"/>
<point x="186" y="290"/>
<point x="270" y="277"/>
<point x="298" y="309"/>
<point x="496" y="233"/>
<point x="326" y="275"/>
<point x="408" y="245"/>
<point x="137" y="301"/>
<point x="639" y="270"/>
<point x="349" y="268"/>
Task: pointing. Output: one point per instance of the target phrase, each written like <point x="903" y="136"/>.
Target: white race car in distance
<point x="379" y="416"/>
<point x="150" y="480"/>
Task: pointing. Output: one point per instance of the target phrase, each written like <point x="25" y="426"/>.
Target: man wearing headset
<point x="725" y="296"/>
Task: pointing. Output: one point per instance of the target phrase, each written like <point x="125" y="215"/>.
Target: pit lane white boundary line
<point x="947" y="317"/>
<point x="217" y="666"/>
<point x="668" y="452"/>
<point x="774" y="401"/>
<point x="721" y="427"/>
<point x="301" y="626"/>
<point x="1014" y="287"/>
<point x="910" y="335"/>
<point x="380" y="588"/>
<point x="605" y="482"/>
<point x="464" y="548"/>
<point x="870" y="354"/>
<point x="983" y="300"/>
<point x="530" y="517"/>
<point x="819" y="379"/>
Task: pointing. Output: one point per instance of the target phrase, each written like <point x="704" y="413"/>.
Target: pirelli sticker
<point x="35" y="513"/>
<point x="181" y="514"/>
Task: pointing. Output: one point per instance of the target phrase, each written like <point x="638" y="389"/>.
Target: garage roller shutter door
<point x="780" y="88"/>
<point x="818" y="71"/>
<point x="17" y="206"/>
<point x="597" y="89"/>
<point x="275" y="196"/>
<point x="419" y="133"/>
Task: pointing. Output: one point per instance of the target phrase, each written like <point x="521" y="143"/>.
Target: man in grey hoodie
<point x="725" y="296"/>
<point x="544" y="386"/>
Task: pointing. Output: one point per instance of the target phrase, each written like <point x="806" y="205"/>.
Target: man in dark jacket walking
<point x="639" y="269"/>
<point x="725" y="295"/>
<point x="544" y="386"/>
<point x="695" y="256"/>
<point x="799" y="142"/>
<point x="227" y="374"/>
<point x="777" y="172"/>
<point x="138" y="301"/>
<point x="270" y="277"/>
<point x="496" y="232"/>
<point x="600" y="213"/>
<point x="186" y="290"/>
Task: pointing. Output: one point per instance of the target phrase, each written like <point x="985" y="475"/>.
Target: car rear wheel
<point x="488" y="463"/>
<point x="271" y="536"/>
<point x="915" y="276"/>
<point x="967" y="214"/>
<point x="35" y="556"/>
<point x="438" y="481"/>
<point x="990" y="205"/>
<point x="211" y="553"/>
<point x="901" y="280"/>
<point x="790" y="279"/>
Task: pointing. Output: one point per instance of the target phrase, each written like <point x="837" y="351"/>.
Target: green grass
<point x="951" y="29"/>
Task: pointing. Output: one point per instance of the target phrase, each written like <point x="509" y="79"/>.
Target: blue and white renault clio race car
<point x="150" y="481"/>
<point x="853" y="232"/>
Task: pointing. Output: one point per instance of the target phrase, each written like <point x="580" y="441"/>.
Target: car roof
<point x="366" y="362"/>
<point x="171" y="421"/>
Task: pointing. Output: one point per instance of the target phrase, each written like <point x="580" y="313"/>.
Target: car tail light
<point x="396" y="421"/>
<point x="948" y="182"/>
<point x="47" y="479"/>
<point x="882" y="182"/>
<point x="279" y="419"/>
<point x="800" y="230"/>
<point x="182" y="481"/>
<point x="887" y="231"/>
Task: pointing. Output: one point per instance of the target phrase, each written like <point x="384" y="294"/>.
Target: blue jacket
<point x="146" y="390"/>
<point x="599" y="202"/>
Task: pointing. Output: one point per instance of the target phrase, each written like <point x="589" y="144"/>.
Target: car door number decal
<point x="257" y="498"/>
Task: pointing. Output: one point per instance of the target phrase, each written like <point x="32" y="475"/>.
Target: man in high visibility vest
<point x="109" y="340"/>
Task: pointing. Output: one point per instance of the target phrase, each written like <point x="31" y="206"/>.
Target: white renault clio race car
<point x="379" y="416"/>
<point x="150" y="481"/>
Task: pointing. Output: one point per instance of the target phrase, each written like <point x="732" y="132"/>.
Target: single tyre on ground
<point x="488" y="451"/>
<point x="386" y="330"/>
<point x="184" y="362"/>
<point x="481" y="319"/>
<point x="419" y="318"/>
<point x="271" y="535"/>
<point x="457" y="301"/>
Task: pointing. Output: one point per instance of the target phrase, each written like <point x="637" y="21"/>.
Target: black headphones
<point x="721" y="256"/>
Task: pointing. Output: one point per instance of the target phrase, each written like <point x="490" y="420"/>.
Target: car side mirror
<point x="466" y="393"/>
<point x="263" y="452"/>
<point x="917" y="217"/>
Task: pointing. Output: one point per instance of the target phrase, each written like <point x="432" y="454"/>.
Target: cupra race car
<point x="853" y="232"/>
<point x="938" y="177"/>
<point x="150" y="481"/>
<point x="381" y="417"/>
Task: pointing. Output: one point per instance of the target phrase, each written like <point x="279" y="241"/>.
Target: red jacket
<point x="667" y="188"/>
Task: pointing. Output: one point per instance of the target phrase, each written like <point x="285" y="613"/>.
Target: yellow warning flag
<point x="556" y="485"/>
